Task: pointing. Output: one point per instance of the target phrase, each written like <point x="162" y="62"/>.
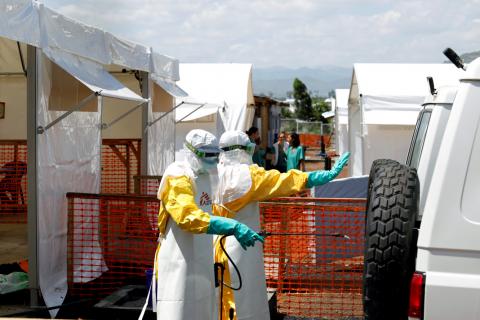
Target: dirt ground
<point x="13" y="243"/>
<point x="321" y="305"/>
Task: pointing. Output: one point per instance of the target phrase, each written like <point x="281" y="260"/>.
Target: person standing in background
<point x="258" y="156"/>
<point x="280" y="153"/>
<point x="295" y="153"/>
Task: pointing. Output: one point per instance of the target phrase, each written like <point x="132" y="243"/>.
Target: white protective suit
<point x="241" y="185"/>
<point x="184" y="260"/>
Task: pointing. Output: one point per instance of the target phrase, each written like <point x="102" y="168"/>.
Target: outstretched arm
<point x="317" y="178"/>
<point x="270" y="184"/>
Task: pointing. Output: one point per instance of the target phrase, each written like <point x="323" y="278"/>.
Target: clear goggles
<point x="249" y="148"/>
<point x="202" y="153"/>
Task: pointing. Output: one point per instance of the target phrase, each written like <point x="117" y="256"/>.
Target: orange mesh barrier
<point x="317" y="268"/>
<point x="147" y="184"/>
<point x="313" y="140"/>
<point x="111" y="241"/>
<point x="120" y="162"/>
<point x="13" y="181"/>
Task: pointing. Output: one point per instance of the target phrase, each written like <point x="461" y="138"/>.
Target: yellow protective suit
<point x="241" y="203"/>
<point x="184" y="260"/>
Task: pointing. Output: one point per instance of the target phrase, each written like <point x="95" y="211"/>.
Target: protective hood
<point x="234" y="166"/>
<point x="236" y="147"/>
<point x="200" y="153"/>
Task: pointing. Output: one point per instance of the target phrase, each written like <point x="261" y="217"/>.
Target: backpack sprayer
<point x="220" y="268"/>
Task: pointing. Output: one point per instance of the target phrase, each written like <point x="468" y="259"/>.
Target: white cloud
<point x="290" y="33"/>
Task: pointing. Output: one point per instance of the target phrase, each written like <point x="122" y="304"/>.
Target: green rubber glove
<point x="227" y="226"/>
<point x="317" y="178"/>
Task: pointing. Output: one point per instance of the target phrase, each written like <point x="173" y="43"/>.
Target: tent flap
<point x="163" y="66"/>
<point x="58" y="31"/>
<point x="92" y="75"/>
<point x="171" y="87"/>
<point x="127" y="54"/>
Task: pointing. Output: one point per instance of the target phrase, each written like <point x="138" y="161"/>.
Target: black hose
<point x="222" y="268"/>
<point x="234" y="266"/>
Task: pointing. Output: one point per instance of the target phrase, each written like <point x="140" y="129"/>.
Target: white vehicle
<point x="438" y="276"/>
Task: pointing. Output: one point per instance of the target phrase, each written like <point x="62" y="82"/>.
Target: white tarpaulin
<point x="394" y="93"/>
<point x="68" y="161"/>
<point x="341" y="105"/>
<point x="227" y="86"/>
<point x="92" y="75"/>
<point x="383" y="106"/>
<point x="164" y="66"/>
<point x="190" y="111"/>
<point x="69" y="154"/>
<point x="20" y="21"/>
<point x="127" y="53"/>
<point x="31" y="22"/>
<point x="341" y="120"/>
<point x="170" y="86"/>
<point x="58" y="31"/>
<point x="161" y="142"/>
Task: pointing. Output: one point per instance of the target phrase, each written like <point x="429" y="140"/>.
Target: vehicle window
<point x="471" y="188"/>
<point x="419" y="139"/>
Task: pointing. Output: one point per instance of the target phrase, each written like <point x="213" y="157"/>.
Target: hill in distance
<point x="470" y="56"/>
<point x="277" y="81"/>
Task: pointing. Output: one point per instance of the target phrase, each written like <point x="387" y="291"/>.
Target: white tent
<point x="383" y="105"/>
<point x="220" y="98"/>
<point x="66" y="84"/>
<point x="341" y="120"/>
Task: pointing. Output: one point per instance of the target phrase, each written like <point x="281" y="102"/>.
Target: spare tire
<point x="376" y="165"/>
<point x="390" y="241"/>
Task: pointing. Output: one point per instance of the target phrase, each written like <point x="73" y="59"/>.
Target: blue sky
<point x="289" y="33"/>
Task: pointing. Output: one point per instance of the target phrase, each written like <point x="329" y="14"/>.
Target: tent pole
<point x="108" y="125"/>
<point x="362" y="135"/>
<point x="79" y="106"/>
<point x="201" y="106"/>
<point x="21" y="59"/>
<point x="32" y="226"/>
<point x="145" y="89"/>
<point x="149" y="124"/>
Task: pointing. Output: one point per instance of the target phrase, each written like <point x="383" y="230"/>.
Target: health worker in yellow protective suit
<point x="184" y="261"/>
<point x="241" y="185"/>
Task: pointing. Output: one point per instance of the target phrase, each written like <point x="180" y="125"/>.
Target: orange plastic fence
<point x="13" y="181"/>
<point x="147" y="185"/>
<point x="111" y="241"/>
<point x="315" y="263"/>
<point x="313" y="140"/>
<point x="120" y="163"/>
<point x="313" y="259"/>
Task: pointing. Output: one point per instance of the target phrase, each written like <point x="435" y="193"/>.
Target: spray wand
<point x="265" y="234"/>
